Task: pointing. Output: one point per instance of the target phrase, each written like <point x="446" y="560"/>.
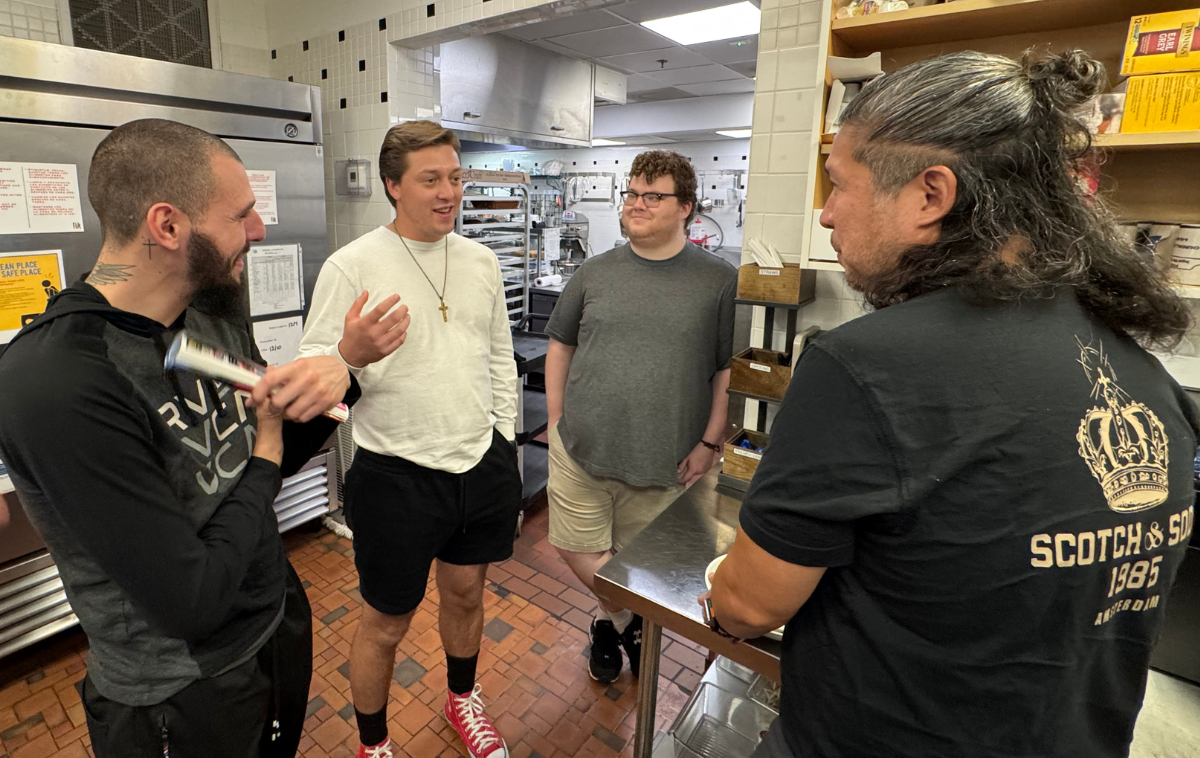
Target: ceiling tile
<point x="583" y="22"/>
<point x="640" y="83"/>
<point x="655" y="95"/>
<point x="616" y="41"/>
<point x="694" y="75"/>
<point x="728" y="87"/>
<point x="728" y="50"/>
<point x="648" y="10"/>
<point x="749" y="68"/>
<point x="640" y="63"/>
<point x="548" y="45"/>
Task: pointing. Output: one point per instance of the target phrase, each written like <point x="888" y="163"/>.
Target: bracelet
<point x="711" y="446"/>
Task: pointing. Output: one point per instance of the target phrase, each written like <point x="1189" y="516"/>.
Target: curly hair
<point x="1009" y="132"/>
<point x="655" y="163"/>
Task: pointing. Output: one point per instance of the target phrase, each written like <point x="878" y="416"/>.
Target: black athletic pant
<point x="228" y="716"/>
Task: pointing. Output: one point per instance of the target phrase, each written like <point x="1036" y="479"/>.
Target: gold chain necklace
<point x="445" y="275"/>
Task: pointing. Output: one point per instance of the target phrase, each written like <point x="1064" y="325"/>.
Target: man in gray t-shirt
<point x="640" y="346"/>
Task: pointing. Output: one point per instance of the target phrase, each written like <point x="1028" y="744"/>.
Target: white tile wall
<point x="358" y="70"/>
<point x="30" y="19"/>
<point x="604" y="218"/>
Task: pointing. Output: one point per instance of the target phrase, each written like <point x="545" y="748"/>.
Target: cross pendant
<point x="443" y="308"/>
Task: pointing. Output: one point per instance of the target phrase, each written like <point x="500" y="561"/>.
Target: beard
<point x="216" y="289"/>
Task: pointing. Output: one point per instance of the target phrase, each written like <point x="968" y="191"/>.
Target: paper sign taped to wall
<point x="27" y="281"/>
<point x="39" y="198"/>
<point x="273" y="272"/>
<point x="278" y="340"/>
<point x="267" y="205"/>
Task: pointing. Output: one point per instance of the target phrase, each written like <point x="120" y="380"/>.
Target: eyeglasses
<point x="651" y="199"/>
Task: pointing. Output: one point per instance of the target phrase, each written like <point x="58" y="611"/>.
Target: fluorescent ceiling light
<point x="735" y="133"/>
<point x="728" y="21"/>
<point x="605" y="143"/>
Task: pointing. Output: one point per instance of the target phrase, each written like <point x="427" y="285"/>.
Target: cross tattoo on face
<point x="149" y="244"/>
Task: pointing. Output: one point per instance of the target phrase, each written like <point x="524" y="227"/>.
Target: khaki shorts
<point x="590" y="514"/>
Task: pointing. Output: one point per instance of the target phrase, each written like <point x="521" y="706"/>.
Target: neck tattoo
<point x="149" y="244"/>
<point x="110" y="273"/>
<point x="446" y="273"/>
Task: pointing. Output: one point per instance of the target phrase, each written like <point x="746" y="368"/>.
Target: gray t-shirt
<point x="650" y="336"/>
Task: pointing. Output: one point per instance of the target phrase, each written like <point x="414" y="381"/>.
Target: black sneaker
<point x="604" y="662"/>
<point x="631" y="640"/>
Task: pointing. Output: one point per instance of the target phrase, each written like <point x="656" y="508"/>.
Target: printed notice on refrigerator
<point x="27" y="281"/>
<point x="263" y="184"/>
<point x="274" y="275"/>
<point x="37" y="198"/>
<point x="278" y="340"/>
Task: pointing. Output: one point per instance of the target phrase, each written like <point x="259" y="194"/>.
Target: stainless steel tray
<point x="765" y="692"/>
<point x="718" y="724"/>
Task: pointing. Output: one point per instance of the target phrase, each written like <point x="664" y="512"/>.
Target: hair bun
<point x="1065" y="80"/>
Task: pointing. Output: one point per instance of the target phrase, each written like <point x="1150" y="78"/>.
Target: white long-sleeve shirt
<point x="435" y="400"/>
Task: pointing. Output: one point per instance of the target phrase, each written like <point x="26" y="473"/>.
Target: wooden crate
<point x="739" y="462"/>
<point x="790" y="285"/>
<point x="761" y="372"/>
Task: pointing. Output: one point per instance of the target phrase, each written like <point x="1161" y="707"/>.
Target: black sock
<point x="460" y="673"/>
<point x="372" y="727"/>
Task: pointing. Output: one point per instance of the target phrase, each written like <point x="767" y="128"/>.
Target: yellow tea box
<point x="1161" y="43"/>
<point x="1163" y="103"/>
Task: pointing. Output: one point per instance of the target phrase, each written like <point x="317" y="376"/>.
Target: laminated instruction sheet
<point x="39" y="198"/>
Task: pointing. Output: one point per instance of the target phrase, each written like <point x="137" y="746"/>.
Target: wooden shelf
<point x="1151" y="141"/>
<point x="976" y="19"/>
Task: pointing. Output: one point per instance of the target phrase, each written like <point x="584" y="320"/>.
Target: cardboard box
<point x="1162" y="103"/>
<point x="1185" y="255"/>
<point x="1160" y="43"/>
<point x="500" y="177"/>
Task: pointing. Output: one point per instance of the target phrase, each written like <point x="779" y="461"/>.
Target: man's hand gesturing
<point x="367" y="339"/>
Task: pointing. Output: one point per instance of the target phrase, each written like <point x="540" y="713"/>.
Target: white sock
<point x="602" y="615"/>
<point x="621" y="620"/>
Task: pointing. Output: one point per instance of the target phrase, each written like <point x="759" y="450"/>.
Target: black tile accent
<point x="273" y="55"/>
<point x="324" y="73"/>
<point x="344" y="670"/>
<point x="608" y="738"/>
<point x="304" y="45"/>
<point x="743" y="157"/>
<point x="538" y="648"/>
<point x="291" y="79"/>
<point x="314" y="705"/>
<point x="613" y="694"/>
<point x="305" y="584"/>
<point x="334" y="615"/>
<point x="407" y="673"/>
<point x="341" y="36"/>
<point x="343" y="102"/>
<point x="715" y="158"/>
<point x="362" y="65"/>
<point x="497" y="629"/>
<point x="347" y="712"/>
<point x="498" y="591"/>
<point x="383" y="97"/>
<point x="382" y="24"/>
<point x="35" y="678"/>
<point x="22" y="727"/>
<point x="429" y="10"/>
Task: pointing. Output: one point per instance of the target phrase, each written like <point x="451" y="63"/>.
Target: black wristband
<point x="711" y="446"/>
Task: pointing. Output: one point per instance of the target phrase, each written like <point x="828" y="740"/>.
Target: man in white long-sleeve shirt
<point x="436" y="472"/>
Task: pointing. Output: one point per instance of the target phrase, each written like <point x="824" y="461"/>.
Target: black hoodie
<point x="145" y="490"/>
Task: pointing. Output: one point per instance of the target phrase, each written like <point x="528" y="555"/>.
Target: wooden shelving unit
<point x="1147" y="176"/>
<point x="977" y="19"/>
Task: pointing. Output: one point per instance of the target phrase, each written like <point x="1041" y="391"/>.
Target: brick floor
<point x="532" y="667"/>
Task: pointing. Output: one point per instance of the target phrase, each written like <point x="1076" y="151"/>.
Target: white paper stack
<point x="764" y="253"/>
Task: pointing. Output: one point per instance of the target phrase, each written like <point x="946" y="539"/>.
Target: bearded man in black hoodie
<point x="154" y="491"/>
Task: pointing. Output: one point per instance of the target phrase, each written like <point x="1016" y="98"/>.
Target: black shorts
<point x="404" y="515"/>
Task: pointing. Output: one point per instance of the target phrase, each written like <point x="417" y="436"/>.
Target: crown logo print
<point x="1122" y="441"/>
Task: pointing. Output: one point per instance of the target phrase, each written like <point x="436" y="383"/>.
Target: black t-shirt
<point x="1002" y="495"/>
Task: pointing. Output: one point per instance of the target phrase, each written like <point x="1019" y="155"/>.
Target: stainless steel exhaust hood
<point x="501" y="91"/>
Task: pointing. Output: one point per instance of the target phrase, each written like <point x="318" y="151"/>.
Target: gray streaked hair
<point x="1009" y="132"/>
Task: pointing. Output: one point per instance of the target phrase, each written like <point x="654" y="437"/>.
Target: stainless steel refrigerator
<point x="56" y="104"/>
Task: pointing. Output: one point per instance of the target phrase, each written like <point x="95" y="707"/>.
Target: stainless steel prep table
<point x="660" y="575"/>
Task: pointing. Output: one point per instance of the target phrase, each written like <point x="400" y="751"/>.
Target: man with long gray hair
<point x="975" y="498"/>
